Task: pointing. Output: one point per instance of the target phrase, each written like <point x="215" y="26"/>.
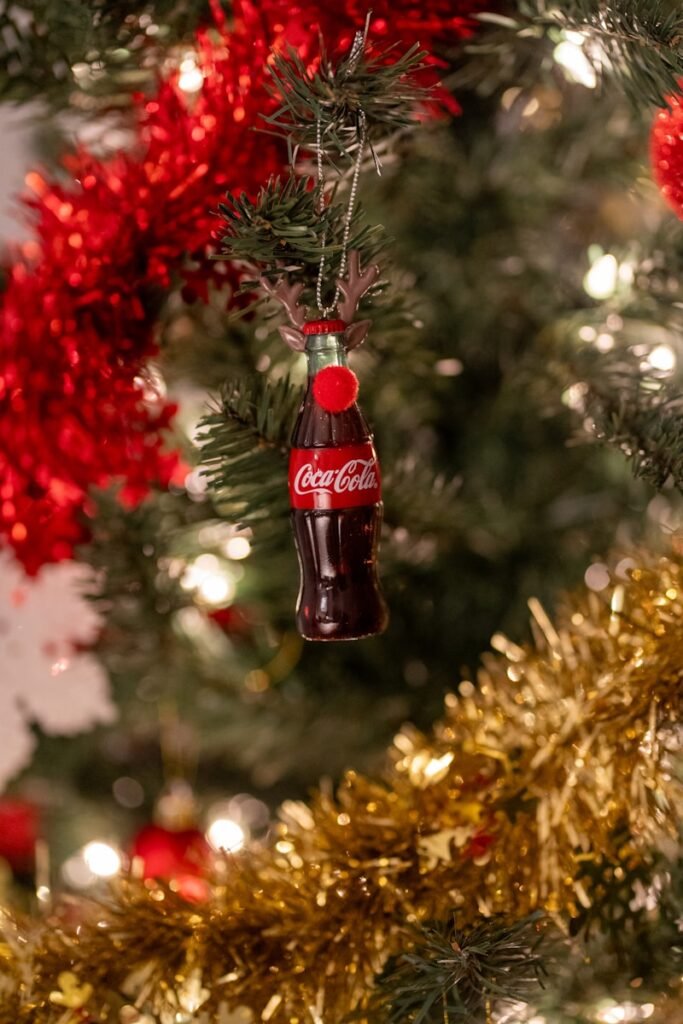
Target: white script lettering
<point x="355" y="475"/>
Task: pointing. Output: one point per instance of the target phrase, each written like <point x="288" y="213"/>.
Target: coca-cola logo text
<point x="334" y="477"/>
<point x="354" y="475"/>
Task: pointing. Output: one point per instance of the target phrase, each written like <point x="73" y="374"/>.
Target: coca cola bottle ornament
<point x="334" y="476"/>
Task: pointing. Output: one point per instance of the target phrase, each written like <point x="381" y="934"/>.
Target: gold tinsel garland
<point x="556" y="759"/>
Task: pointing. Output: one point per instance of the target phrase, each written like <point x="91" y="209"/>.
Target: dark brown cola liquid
<point x="340" y="596"/>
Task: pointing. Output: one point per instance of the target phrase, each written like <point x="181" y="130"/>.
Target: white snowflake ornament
<point x="45" y="678"/>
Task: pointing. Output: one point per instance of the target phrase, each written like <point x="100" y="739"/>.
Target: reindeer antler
<point x="354" y="286"/>
<point x="288" y="296"/>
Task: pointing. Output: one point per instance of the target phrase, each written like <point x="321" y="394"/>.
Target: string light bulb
<point x="237" y="548"/>
<point x="211" y="580"/>
<point x="226" y="834"/>
<point x="216" y="589"/>
<point x="191" y="78"/>
<point x="621" y="1013"/>
<point x="601" y="280"/>
<point x="102" y="859"/>
<point x="662" y="358"/>
<point x="570" y="55"/>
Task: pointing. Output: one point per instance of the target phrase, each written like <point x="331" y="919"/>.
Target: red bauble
<point x="183" y="857"/>
<point x="18" y="833"/>
<point x="335" y="388"/>
<point x="234" y="620"/>
<point x="666" y="150"/>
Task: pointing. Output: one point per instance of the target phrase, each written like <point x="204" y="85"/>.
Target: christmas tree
<point x="441" y="238"/>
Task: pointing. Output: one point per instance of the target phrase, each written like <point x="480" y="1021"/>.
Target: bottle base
<point x="338" y="632"/>
<point x="341" y="639"/>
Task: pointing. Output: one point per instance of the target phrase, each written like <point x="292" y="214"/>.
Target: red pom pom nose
<point x="335" y="388"/>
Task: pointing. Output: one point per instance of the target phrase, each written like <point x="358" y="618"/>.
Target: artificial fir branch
<point x="282" y="228"/>
<point x="381" y="85"/>
<point x="145" y="647"/>
<point x="282" y="223"/>
<point x="243" y="445"/>
<point x="644" y="423"/>
<point x="419" y="500"/>
<point x="641" y="40"/>
<point x="629" y="407"/>
<point x="42" y="42"/>
<point x="455" y="976"/>
<point x="644" y="944"/>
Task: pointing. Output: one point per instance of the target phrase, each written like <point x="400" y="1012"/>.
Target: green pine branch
<point x="141" y="598"/>
<point x="641" y="40"/>
<point x="243" y="448"/>
<point x="282" y="229"/>
<point x="641" y="940"/>
<point x="626" y="403"/>
<point x="644" y="420"/>
<point x="420" y="500"/>
<point x="455" y="976"/>
<point x="363" y="84"/>
<point x="52" y="49"/>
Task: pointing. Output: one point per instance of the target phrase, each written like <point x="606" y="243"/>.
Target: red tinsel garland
<point x="77" y="317"/>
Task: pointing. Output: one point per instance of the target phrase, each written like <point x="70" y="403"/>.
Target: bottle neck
<point x="325" y="350"/>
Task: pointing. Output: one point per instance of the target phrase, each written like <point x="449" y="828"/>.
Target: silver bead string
<point x="326" y="310"/>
